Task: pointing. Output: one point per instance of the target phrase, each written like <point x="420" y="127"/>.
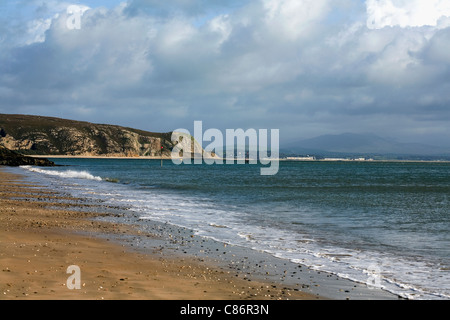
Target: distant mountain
<point x="36" y="135"/>
<point x="368" y="144"/>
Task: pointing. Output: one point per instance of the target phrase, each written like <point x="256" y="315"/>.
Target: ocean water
<point x="382" y="223"/>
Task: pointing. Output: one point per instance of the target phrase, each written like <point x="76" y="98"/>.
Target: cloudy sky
<point x="306" y="67"/>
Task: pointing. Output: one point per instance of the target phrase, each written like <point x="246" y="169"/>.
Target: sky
<point x="305" y="67"/>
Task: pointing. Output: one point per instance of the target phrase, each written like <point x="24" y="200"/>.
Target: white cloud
<point x="36" y="30"/>
<point x="222" y="26"/>
<point x="405" y="13"/>
<point x="45" y="13"/>
<point x="294" y="18"/>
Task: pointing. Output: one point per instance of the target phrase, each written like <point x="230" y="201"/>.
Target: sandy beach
<point x="40" y="237"/>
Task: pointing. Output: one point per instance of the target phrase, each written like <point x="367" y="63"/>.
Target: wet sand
<point x="41" y="236"/>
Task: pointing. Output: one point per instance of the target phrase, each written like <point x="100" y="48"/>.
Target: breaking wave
<point x="65" y="174"/>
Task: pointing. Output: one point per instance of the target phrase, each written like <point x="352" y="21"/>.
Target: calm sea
<point x="357" y="220"/>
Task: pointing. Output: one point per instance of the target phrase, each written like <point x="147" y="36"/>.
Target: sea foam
<point x="65" y="174"/>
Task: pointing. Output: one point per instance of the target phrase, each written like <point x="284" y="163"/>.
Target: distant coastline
<point x="370" y="160"/>
<point x="280" y="159"/>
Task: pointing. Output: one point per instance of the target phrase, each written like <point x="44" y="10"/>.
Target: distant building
<point x="336" y="159"/>
<point x="308" y="158"/>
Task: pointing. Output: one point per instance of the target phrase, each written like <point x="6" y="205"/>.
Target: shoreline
<point x="281" y="159"/>
<point x="223" y="272"/>
<point x="39" y="240"/>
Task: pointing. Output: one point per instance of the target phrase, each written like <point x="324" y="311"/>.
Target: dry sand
<point x="39" y="240"/>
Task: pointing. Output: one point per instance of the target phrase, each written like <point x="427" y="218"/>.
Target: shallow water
<point x="383" y="223"/>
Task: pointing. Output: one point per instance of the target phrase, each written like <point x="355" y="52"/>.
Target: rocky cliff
<point x="36" y="135"/>
<point x="11" y="158"/>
